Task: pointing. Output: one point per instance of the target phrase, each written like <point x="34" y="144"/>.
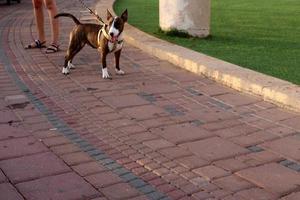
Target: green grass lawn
<point x="263" y="35"/>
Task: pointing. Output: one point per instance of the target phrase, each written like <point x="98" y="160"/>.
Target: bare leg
<point x="39" y="19"/>
<point x="52" y="11"/>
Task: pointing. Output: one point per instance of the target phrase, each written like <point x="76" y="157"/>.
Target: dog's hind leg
<point x="73" y="49"/>
<point x="117" y="63"/>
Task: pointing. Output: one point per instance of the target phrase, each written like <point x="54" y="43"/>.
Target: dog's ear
<point x="124" y="16"/>
<point x="109" y="15"/>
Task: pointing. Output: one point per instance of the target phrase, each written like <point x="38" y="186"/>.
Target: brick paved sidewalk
<point x="156" y="133"/>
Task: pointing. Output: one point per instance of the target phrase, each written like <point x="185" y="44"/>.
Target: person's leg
<point x="39" y="19"/>
<point x="52" y="11"/>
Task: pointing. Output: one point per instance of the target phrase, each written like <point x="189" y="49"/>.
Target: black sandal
<point x="37" y="44"/>
<point x="52" y="48"/>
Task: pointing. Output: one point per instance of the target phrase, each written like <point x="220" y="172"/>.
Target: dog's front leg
<point x="117" y="62"/>
<point x="105" y="73"/>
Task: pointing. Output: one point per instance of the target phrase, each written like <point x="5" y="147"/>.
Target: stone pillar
<point x="192" y="16"/>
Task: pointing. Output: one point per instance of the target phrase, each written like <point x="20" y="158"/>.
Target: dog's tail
<point x="68" y="15"/>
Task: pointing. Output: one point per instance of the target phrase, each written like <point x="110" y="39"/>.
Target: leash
<point x="92" y="12"/>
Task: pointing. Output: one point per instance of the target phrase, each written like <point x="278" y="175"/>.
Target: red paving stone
<point x="65" y="187"/>
<point x="120" y="191"/>
<point x="275" y="178"/>
<point x="9" y="132"/>
<point x="174" y="134"/>
<point x="168" y="126"/>
<point x="214" y="149"/>
<point x="8" y="192"/>
<point x="103" y="179"/>
<point x="288" y="146"/>
<point x="32" y="167"/>
<point x="20" y="147"/>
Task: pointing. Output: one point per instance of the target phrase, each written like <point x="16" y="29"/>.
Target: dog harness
<point x="109" y="38"/>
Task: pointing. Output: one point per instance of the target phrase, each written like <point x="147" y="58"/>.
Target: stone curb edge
<point x="274" y="90"/>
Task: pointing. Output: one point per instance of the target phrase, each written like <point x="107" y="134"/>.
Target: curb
<point x="274" y="90"/>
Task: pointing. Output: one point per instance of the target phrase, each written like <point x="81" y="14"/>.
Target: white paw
<point x="105" y="73"/>
<point x="71" y="66"/>
<point x="120" y="72"/>
<point x="65" y="70"/>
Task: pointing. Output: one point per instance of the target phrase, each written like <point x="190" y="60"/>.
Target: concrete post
<point x="192" y="16"/>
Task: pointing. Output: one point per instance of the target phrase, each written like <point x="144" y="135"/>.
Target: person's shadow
<point x="8" y="2"/>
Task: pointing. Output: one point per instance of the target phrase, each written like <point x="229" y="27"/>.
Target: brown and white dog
<point x="106" y="38"/>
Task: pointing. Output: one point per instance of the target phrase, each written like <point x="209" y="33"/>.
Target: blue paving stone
<point x="88" y="148"/>
<point x="155" y="195"/>
<point x="220" y="104"/>
<point x="173" y="110"/>
<point x="294" y="166"/>
<point x="255" y="148"/>
<point x="137" y="183"/>
<point x="113" y="166"/>
<point x="107" y="161"/>
<point x="197" y="122"/>
<point x="100" y="157"/>
<point x="194" y="92"/>
<point x="121" y="171"/>
<point x="94" y="152"/>
<point x="147" y="189"/>
<point x="128" y="177"/>
<point x="285" y="162"/>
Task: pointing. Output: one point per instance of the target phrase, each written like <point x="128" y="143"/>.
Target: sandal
<point x="37" y="44"/>
<point x="52" y="48"/>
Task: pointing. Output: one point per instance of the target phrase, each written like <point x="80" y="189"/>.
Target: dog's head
<point x="116" y="24"/>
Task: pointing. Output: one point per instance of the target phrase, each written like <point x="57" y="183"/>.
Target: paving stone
<point x="20" y="147"/>
<point x="222" y="124"/>
<point x="192" y="162"/>
<point x="174" y="133"/>
<point x="143" y="197"/>
<point x="243" y="129"/>
<point x="60" y="187"/>
<point x="211" y="172"/>
<point x="76" y="158"/>
<point x="231" y="164"/>
<point x="255" y="194"/>
<point x="32" y="167"/>
<point x="273" y="177"/>
<point x="120" y="191"/>
<point x="145" y="112"/>
<point x="174" y="152"/>
<point x="293" y="196"/>
<point x="253" y="138"/>
<point x="232" y="183"/>
<point x="275" y="114"/>
<point x="3" y="177"/>
<point x="159" y="88"/>
<point x="239" y="99"/>
<point x="214" y="149"/>
<point x="125" y="101"/>
<point x="158" y="144"/>
<point x="85" y="169"/>
<point x="292" y="122"/>
<point x="288" y="146"/>
<point x="281" y="131"/>
<point x="103" y="179"/>
<point x="10" y="132"/>
<point x="65" y="149"/>
<point x="54" y="141"/>
<point x="8" y="192"/>
<point x="7" y="116"/>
